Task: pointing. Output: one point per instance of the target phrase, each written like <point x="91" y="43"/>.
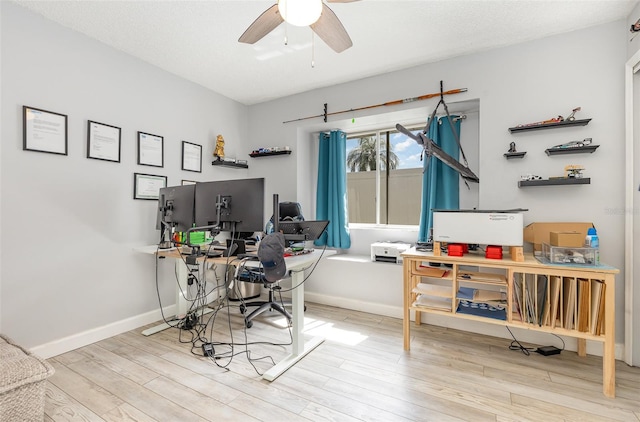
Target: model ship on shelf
<point x="264" y="152"/>
<point x="574" y="147"/>
<point x="558" y="121"/>
<point x="230" y="162"/>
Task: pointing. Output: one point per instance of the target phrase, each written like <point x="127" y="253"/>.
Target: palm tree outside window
<point x="384" y="172"/>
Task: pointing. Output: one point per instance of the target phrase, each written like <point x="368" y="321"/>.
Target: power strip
<point x="548" y="350"/>
<point x="207" y="349"/>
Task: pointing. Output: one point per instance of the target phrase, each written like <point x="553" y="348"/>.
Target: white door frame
<point x="630" y="188"/>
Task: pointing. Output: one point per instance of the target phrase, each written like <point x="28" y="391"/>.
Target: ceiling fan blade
<point x="330" y="29"/>
<point x="266" y="22"/>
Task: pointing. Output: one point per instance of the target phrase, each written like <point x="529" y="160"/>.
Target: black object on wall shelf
<point x="229" y="164"/>
<point x="266" y="154"/>
<point x="556" y="181"/>
<point x="572" y="150"/>
<point x="510" y="155"/>
<point x="524" y="128"/>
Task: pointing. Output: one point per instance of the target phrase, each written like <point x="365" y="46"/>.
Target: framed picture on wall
<point x="150" y="150"/>
<point x="44" y="131"/>
<point x="191" y="157"/>
<point x="147" y="186"/>
<point x="103" y="141"/>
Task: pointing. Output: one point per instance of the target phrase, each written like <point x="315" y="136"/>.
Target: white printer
<point x="388" y="251"/>
<point x="493" y="227"/>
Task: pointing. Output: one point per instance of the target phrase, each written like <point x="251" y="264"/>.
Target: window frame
<point x="387" y="131"/>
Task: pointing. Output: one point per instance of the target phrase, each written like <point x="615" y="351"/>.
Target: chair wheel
<point x="242" y="309"/>
<point x="248" y="324"/>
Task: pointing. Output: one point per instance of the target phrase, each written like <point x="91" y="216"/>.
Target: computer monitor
<point x="236" y="205"/>
<point x="176" y="207"/>
<point x="298" y="231"/>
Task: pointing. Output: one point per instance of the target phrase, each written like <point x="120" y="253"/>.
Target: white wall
<point x="69" y="224"/>
<point x="530" y="82"/>
<point x="633" y="37"/>
<point x="633" y="276"/>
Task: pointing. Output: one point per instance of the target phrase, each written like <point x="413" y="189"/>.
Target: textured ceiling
<point x="197" y="40"/>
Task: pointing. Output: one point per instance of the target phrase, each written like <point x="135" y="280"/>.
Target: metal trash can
<point x="243" y="288"/>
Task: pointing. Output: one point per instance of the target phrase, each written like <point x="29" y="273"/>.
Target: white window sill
<point x="361" y="226"/>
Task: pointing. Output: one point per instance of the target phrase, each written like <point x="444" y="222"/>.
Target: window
<point x="384" y="177"/>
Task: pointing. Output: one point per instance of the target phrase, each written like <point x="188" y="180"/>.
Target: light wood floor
<point x="360" y="373"/>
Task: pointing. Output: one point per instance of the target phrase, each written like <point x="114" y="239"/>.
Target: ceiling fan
<point x="313" y="13"/>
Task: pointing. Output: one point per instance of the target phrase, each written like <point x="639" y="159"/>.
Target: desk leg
<point x="298" y="349"/>
<point x="608" y="349"/>
<point x="182" y="305"/>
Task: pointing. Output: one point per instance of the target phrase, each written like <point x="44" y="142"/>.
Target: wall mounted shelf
<point x="229" y="164"/>
<point x="575" y="150"/>
<point x="510" y="155"/>
<point x="555" y="182"/>
<point x="267" y="154"/>
<point x="524" y="128"/>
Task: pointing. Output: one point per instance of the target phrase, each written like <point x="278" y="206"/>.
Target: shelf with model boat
<point x="552" y="123"/>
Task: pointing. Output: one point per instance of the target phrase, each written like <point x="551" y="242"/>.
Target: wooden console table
<point x="572" y="301"/>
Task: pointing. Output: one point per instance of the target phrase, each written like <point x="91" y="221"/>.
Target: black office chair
<point x="271" y="304"/>
<point x="289" y="211"/>
<point x="272" y="270"/>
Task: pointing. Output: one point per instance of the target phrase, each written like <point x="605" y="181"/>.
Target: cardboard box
<point x="566" y="239"/>
<point x="539" y="233"/>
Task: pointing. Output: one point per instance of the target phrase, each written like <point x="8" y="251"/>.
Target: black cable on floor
<point x="516" y="345"/>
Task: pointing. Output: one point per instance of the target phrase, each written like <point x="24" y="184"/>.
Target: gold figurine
<point x="219" y="150"/>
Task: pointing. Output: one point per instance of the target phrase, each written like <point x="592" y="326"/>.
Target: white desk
<point x="299" y="348"/>
<point x="295" y="264"/>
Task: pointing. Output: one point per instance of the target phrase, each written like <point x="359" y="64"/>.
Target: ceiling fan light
<point x="300" y="12"/>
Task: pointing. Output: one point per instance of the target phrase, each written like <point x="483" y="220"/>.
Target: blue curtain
<point x="331" y="197"/>
<point x="440" y="183"/>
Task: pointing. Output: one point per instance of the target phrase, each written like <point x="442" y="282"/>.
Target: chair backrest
<point x="289" y="211"/>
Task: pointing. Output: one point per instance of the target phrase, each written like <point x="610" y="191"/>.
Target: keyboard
<point x="297" y="253"/>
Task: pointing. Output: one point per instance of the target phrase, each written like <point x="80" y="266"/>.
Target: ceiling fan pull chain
<point x="286" y="34"/>
<point x="286" y="25"/>
<point x="313" y="51"/>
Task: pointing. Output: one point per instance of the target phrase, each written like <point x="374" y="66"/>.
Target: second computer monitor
<point x="240" y="203"/>
<point x="175" y="207"/>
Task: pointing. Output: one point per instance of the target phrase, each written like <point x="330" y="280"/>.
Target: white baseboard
<point x="75" y="341"/>
<point x="356" y="305"/>
<point x="523" y="335"/>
